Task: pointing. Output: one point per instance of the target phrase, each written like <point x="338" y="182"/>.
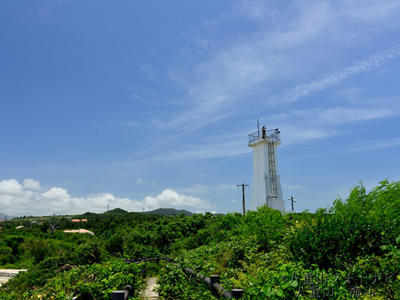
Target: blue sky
<point x="146" y="104"/>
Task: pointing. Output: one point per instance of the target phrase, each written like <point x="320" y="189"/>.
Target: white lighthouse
<point x="266" y="189"/>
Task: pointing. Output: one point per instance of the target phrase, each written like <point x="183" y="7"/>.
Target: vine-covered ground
<point x="349" y="251"/>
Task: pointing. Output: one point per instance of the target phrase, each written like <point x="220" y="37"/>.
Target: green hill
<point x="117" y="211"/>
<point x="169" y="212"/>
<point x="5" y="216"/>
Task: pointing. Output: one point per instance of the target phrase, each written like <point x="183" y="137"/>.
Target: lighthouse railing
<point x="273" y="135"/>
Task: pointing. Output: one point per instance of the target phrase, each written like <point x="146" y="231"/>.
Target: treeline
<point x="49" y="254"/>
<point x="351" y="250"/>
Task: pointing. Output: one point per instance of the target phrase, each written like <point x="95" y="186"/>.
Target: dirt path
<point x="150" y="290"/>
<point x="7" y="274"/>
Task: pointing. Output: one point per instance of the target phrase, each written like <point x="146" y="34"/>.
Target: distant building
<point x="81" y="231"/>
<point x="84" y="220"/>
<point x="75" y="220"/>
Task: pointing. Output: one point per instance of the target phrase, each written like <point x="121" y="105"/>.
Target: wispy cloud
<point x="235" y="74"/>
<point x="128" y="124"/>
<point x="195" y="189"/>
<point x="294" y="135"/>
<point x="302" y="90"/>
<point x="292" y="187"/>
<point x="208" y="151"/>
<point x="340" y="114"/>
<point x="299" y="126"/>
<point x="250" y="67"/>
<point x="372" y="145"/>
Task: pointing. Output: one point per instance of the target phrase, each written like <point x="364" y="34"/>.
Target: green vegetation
<point x="349" y="251"/>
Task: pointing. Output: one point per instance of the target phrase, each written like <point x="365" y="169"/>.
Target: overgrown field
<point x="350" y="251"/>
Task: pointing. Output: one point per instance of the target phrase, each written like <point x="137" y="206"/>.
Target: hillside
<point x="169" y="212"/>
<point x="116" y="211"/>
<point x="5" y="216"/>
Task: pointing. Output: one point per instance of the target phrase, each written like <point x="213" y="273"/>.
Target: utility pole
<point x="292" y="200"/>
<point x="243" y="196"/>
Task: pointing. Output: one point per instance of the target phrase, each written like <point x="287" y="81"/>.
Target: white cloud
<point x="297" y="126"/>
<point x="306" y="89"/>
<point x="10" y="187"/>
<point x="339" y="115"/>
<point x="348" y="114"/>
<point x="225" y="186"/>
<point x="299" y="39"/>
<point x="172" y="198"/>
<point x="372" y="145"/>
<point x="31" y="184"/>
<point x="139" y="180"/>
<point x="128" y="124"/>
<point x="370" y="10"/>
<point x="224" y="148"/>
<point x="195" y="189"/>
<point x="17" y="199"/>
<point x="292" y="187"/>
<point x="281" y="56"/>
<point x="56" y="193"/>
<point x="292" y="134"/>
<point x="219" y="82"/>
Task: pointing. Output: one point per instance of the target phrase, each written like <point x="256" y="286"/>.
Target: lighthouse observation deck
<point x="270" y="135"/>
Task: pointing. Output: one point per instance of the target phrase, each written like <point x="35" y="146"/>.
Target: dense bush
<point x="175" y="284"/>
<point x="355" y="227"/>
<point x="347" y="251"/>
<point x="95" y="281"/>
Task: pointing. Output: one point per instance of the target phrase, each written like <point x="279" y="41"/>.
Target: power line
<point x="243" y="185"/>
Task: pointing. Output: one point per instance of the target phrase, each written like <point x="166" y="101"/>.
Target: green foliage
<point x="351" y="228"/>
<point x="353" y="248"/>
<point x="114" y="244"/>
<point x="91" y="252"/>
<point x="348" y="250"/>
<point x="5" y="254"/>
<point x="267" y="225"/>
<point x="95" y="281"/>
<point x="39" y="249"/>
<point x="175" y="284"/>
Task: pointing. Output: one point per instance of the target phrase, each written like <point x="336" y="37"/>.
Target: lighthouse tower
<point x="266" y="189"/>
